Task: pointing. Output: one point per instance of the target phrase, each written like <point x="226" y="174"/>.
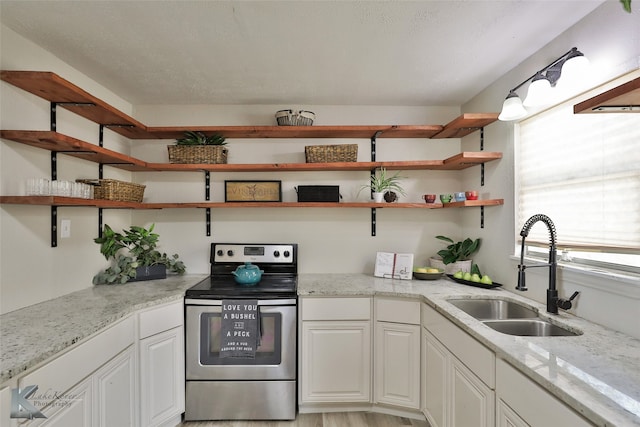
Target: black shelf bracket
<point x="373" y="145"/>
<point x="482" y="176"/>
<point x="373" y="222"/>
<point x="208" y="221"/>
<point x="100" y="176"/>
<point x="207" y="186"/>
<point x="54" y="176"/>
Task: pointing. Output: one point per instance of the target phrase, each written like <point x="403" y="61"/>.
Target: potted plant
<point x="198" y="148"/>
<point x="456" y="256"/>
<point x="381" y="184"/>
<point x="142" y="262"/>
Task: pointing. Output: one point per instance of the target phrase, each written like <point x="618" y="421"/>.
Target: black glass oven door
<point x="268" y="352"/>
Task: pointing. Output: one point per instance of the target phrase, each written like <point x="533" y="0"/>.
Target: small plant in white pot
<point x="457" y="256"/>
<point x="382" y="184"/>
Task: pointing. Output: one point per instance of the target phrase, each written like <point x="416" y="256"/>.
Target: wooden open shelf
<point x="111" y="204"/>
<point x="54" y="88"/>
<point x="57" y="142"/>
<point x="626" y="95"/>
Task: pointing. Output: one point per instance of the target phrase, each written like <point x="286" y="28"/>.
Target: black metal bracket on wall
<point x="482" y="176"/>
<point x="54" y="176"/>
<point x="207" y="197"/>
<point x="373" y="173"/>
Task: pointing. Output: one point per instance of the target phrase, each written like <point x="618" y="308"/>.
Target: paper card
<point x="394" y="266"/>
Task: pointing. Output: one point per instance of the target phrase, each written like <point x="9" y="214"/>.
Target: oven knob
<point x="276" y="254"/>
<point x="220" y="252"/>
<point x="286" y="254"/>
<point x="230" y="252"/>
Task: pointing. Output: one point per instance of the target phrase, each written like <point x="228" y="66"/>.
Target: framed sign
<point x="253" y="191"/>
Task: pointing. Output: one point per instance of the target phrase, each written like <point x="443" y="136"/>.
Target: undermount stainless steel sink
<point x="509" y="317"/>
<point x="529" y="328"/>
<point x="494" y="309"/>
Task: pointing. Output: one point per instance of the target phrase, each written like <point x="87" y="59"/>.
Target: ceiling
<point x="413" y="53"/>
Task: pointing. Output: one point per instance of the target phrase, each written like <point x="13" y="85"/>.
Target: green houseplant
<point x="456" y="256"/>
<point x="134" y="256"/>
<point x="199" y="148"/>
<point x="382" y="184"/>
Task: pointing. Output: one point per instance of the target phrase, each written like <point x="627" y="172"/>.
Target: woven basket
<point x="331" y="153"/>
<point x="111" y="189"/>
<point x="197" y="154"/>
<point x="295" y="118"/>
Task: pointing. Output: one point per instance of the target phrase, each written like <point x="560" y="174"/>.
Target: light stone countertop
<point x="597" y="373"/>
<point x="38" y="332"/>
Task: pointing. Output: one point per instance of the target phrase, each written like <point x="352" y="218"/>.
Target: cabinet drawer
<point x="474" y="355"/>
<point x="397" y="311"/>
<point x="160" y="319"/>
<point x="336" y="308"/>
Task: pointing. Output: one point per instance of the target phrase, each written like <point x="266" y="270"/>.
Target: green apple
<point x="486" y="280"/>
<point x="458" y="274"/>
<point x="467" y="276"/>
<point x="475" y="278"/>
<point x="421" y="270"/>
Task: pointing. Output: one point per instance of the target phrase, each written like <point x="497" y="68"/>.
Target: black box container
<point x="318" y="193"/>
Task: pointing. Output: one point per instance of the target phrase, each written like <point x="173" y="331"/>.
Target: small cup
<point x="445" y="198"/>
<point x="460" y="197"/>
<point x="471" y="195"/>
<point x="429" y="198"/>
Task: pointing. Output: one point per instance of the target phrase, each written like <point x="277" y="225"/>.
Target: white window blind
<point x="583" y="171"/>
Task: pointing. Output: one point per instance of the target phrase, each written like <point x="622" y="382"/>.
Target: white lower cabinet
<point x="455" y="395"/>
<point x="397" y="353"/>
<point x="114" y="391"/>
<point x="73" y="410"/>
<point x="335" y="350"/>
<point x="522" y="402"/>
<point x="161" y="355"/>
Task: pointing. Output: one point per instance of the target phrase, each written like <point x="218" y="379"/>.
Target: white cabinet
<point x="161" y="364"/>
<point x="91" y="384"/>
<point x="521" y="399"/>
<point x="397" y="355"/>
<point x="335" y="364"/>
<point x="459" y="375"/>
<point x="114" y="391"/>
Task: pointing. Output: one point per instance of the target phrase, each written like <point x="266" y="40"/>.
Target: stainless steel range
<point x="258" y="386"/>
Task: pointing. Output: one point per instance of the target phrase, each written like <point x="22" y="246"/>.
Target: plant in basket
<point x="197" y="148"/>
<point x="456" y="256"/>
<point x="134" y="256"/>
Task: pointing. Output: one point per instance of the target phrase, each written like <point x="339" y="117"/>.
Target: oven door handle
<point x="261" y="302"/>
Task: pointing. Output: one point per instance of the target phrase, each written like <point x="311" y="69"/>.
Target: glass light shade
<point x="539" y="93"/>
<point x="512" y="108"/>
<point x="573" y="74"/>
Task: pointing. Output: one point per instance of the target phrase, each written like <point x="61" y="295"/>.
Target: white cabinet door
<point x="526" y="398"/>
<point x="336" y="361"/>
<point x="472" y="402"/>
<point x="397" y="374"/>
<point x="435" y="377"/>
<point x="72" y="409"/>
<point x="454" y="395"/>
<point x="507" y="417"/>
<point x="161" y="376"/>
<point x="114" y="391"/>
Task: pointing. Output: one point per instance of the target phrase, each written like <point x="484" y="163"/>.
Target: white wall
<point x="610" y="38"/>
<point x="334" y="240"/>
<point x="330" y="240"/>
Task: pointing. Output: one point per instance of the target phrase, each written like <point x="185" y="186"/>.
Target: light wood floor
<point x="333" y="419"/>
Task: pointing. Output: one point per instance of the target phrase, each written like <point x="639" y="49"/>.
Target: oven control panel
<point x="258" y="253"/>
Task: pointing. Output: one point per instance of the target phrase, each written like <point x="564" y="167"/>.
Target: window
<point x="583" y="171"/>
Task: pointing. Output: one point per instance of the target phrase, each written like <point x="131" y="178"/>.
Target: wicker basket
<point x="331" y="153"/>
<point x="197" y="154"/>
<point x="295" y="118"/>
<point x="111" y="189"/>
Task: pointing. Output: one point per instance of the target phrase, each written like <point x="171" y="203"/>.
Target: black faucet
<point x="553" y="302"/>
